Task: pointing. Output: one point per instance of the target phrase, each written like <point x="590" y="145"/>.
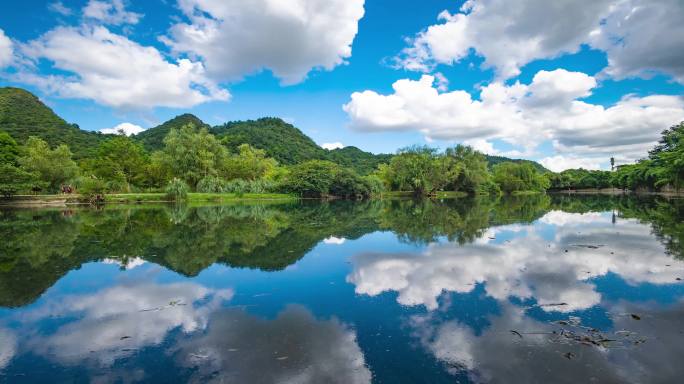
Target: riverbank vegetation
<point x="185" y="156"/>
<point x="662" y="170"/>
<point x="194" y="160"/>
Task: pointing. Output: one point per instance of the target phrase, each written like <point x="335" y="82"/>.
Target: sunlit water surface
<point x="543" y="289"/>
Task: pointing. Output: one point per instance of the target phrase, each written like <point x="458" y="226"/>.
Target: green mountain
<point x="22" y="115"/>
<point x="280" y="140"/>
<point x="494" y="160"/>
<point x="153" y="138"/>
<point x="361" y="161"/>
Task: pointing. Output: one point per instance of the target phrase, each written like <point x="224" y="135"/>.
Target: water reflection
<point x="526" y="265"/>
<point x="292" y="348"/>
<point x="541" y="288"/>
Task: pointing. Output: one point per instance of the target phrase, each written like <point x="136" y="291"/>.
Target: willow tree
<point x="193" y="154"/>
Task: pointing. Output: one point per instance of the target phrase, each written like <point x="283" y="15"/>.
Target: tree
<point x="420" y="170"/>
<point x="13" y="180"/>
<point x="248" y="164"/>
<point x="121" y="160"/>
<point x="52" y="166"/>
<point x="157" y="171"/>
<point x="321" y="178"/>
<point x="669" y="155"/>
<point x="9" y="150"/>
<point x="193" y="154"/>
<point x="473" y="174"/>
<point x="513" y="177"/>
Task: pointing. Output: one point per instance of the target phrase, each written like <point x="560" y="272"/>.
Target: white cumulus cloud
<point x="5" y="49"/>
<point x="128" y="129"/>
<point x="331" y="146"/>
<point x="560" y="163"/>
<point x="115" y="71"/>
<point x="549" y="108"/>
<point x="638" y="36"/>
<point x="110" y="12"/>
<point x="235" y="38"/>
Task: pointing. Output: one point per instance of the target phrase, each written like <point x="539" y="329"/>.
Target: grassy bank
<point x="526" y="193"/>
<point x="127" y="198"/>
<point x="438" y="194"/>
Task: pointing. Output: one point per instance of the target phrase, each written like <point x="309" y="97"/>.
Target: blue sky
<point x="568" y="83"/>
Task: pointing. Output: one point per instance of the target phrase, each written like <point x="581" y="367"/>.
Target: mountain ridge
<point x="22" y="114"/>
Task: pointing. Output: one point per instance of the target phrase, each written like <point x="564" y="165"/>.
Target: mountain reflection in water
<point x="540" y="288"/>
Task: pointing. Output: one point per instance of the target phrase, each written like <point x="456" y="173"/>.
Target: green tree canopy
<point x="473" y="174"/>
<point x="193" y="154"/>
<point x="513" y="177"/>
<point x="320" y="178"/>
<point x="248" y="164"/>
<point x="13" y="180"/>
<point x="9" y="149"/>
<point x="121" y="160"/>
<point x="419" y="169"/>
<point x="52" y="166"/>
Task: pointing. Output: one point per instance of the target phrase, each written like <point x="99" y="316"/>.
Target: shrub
<point x="14" y="179"/>
<point x="211" y="184"/>
<point x="317" y="178"/>
<point x="240" y="186"/>
<point x="91" y="188"/>
<point x="177" y="190"/>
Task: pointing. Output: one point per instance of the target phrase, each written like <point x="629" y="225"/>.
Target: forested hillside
<point x="361" y="161"/>
<point x="494" y="160"/>
<point x="153" y="138"/>
<point x="22" y="115"/>
<point x="255" y="155"/>
<point x="281" y="141"/>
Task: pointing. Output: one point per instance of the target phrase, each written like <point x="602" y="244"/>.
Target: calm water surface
<point x="543" y="289"/>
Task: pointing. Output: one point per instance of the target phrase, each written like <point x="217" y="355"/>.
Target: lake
<point x="539" y="289"/>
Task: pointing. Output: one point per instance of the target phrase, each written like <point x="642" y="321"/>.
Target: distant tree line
<point x="662" y="169"/>
<point x="192" y="159"/>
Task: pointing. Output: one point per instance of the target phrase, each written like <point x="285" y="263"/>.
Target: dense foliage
<point x="424" y="171"/>
<point x="153" y="139"/>
<point x="320" y="178"/>
<point x="54" y="167"/>
<point x="362" y="162"/>
<point x="663" y="169"/>
<point x="23" y="115"/>
<point x="519" y="177"/>
<point x="281" y="141"/>
<point x="270" y="155"/>
<point x="581" y="179"/>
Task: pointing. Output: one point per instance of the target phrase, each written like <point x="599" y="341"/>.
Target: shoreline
<point x="616" y="192"/>
<point x="31" y="201"/>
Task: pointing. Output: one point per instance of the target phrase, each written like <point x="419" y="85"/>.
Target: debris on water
<point x="589" y="246"/>
<point x="566" y="251"/>
<point x="569" y="355"/>
<point x="124" y="337"/>
<point x="197" y="356"/>
<point x="679" y="279"/>
<point x="516" y="333"/>
<point x="553" y="305"/>
<point x="572" y="332"/>
<point x="492" y="238"/>
<point x="635" y="317"/>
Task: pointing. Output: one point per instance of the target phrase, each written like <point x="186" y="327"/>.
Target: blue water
<point x="542" y="289"/>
